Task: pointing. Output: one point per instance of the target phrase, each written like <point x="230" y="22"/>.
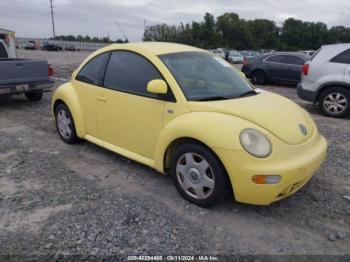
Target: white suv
<point x="326" y="80"/>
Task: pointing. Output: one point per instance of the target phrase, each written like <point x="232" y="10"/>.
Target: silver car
<point x="326" y="80"/>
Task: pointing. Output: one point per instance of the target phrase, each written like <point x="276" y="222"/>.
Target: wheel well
<point x="323" y="88"/>
<point x="184" y="140"/>
<point x="257" y="70"/>
<point x="56" y="104"/>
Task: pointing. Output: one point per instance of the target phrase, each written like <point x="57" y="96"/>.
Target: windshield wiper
<point x="212" y="98"/>
<point x="250" y="92"/>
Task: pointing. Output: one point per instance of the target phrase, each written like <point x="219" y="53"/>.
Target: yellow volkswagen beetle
<point x="181" y="110"/>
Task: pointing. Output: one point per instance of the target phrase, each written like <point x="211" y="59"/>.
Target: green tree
<point x="234" y="32"/>
<point x="265" y="34"/>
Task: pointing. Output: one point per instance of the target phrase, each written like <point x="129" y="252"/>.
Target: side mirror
<point x="157" y="86"/>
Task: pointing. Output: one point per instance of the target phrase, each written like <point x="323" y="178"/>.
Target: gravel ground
<point x="59" y="200"/>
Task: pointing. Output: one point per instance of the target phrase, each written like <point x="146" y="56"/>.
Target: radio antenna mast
<point x="121" y="30"/>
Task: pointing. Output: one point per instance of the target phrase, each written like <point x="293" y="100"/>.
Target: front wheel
<point x="335" y="102"/>
<point x="65" y="124"/>
<point x="199" y="175"/>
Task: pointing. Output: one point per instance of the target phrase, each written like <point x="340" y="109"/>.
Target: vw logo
<point x="303" y="129"/>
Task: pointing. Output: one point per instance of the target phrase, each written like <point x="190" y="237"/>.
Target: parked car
<point x="326" y="80"/>
<point x="249" y="54"/>
<point x="52" y="47"/>
<point x="281" y="67"/>
<point x="219" y="53"/>
<point x="31" y="45"/>
<point x="70" y="48"/>
<point x="23" y="76"/>
<point x="235" y="57"/>
<point x="308" y="52"/>
<point x="182" y="110"/>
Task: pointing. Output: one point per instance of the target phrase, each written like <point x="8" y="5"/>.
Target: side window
<point x="343" y="58"/>
<point x="276" y="59"/>
<point x="3" y="53"/>
<point x="294" y="60"/>
<point x="130" y="72"/>
<point x="92" y="73"/>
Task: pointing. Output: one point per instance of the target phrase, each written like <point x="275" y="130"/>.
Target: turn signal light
<point x="261" y="179"/>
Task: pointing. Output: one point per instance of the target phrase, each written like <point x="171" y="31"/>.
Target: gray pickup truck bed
<point x="23" y="76"/>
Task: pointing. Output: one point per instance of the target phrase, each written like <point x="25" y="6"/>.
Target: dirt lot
<point x="59" y="200"/>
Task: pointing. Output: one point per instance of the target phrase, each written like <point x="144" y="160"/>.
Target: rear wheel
<point x="35" y="96"/>
<point x="199" y="175"/>
<point x="258" y="77"/>
<point x="335" y="102"/>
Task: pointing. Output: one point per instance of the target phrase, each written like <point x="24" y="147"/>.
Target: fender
<point x="326" y="85"/>
<point x="67" y="94"/>
<point x="206" y="131"/>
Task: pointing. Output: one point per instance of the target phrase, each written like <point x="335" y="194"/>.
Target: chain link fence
<point x="22" y="42"/>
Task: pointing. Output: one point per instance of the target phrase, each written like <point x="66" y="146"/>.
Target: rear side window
<point x="130" y="72"/>
<point x="276" y="59"/>
<point x="3" y="53"/>
<point x="92" y="73"/>
<point x="294" y="60"/>
<point x="343" y="58"/>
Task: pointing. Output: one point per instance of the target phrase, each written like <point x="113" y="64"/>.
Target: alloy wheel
<point x="335" y="103"/>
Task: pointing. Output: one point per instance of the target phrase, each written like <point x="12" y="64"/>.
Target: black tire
<point x="72" y="138"/>
<point x="34" y="96"/>
<point x="221" y="188"/>
<point x="334" y="110"/>
<point x="258" y="77"/>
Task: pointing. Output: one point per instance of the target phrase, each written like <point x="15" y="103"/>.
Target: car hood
<point x="276" y="114"/>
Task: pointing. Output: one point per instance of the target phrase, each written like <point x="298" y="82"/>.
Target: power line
<point x="53" y="20"/>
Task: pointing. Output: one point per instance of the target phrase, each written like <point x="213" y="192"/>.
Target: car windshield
<point x="203" y="76"/>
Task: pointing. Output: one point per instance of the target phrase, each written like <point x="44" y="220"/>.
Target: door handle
<point x="101" y="98"/>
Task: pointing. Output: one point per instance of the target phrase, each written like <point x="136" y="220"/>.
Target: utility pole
<point x="144" y="24"/>
<point x="53" y="21"/>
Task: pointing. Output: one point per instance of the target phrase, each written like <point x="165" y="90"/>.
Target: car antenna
<point x="121" y="30"/>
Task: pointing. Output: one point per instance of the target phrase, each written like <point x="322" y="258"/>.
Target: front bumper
<point x="295" y="165"/>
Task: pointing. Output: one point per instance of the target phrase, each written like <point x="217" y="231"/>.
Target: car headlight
<point x="255" y="143"/>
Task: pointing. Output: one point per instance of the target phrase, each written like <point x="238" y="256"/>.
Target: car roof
<point x="340" y="45"/>
<point x="329" y="51"/>
<point x="289" y="53"/>
<point x="158" y="48"/>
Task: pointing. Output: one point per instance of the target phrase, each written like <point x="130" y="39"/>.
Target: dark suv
<point x="281" y="67"/>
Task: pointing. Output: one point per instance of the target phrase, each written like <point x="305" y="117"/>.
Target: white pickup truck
<point x="21" y="76"/>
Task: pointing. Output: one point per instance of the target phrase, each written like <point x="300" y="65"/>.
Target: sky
<point x="32" y="18"/>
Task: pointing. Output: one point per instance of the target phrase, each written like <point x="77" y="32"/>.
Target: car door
<point x="87" y="84"/>
<point x="295" y="64"/>
<point x="128" y="116"/>
<point x="347" y="74"/>
<point x="276" y="68"/>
